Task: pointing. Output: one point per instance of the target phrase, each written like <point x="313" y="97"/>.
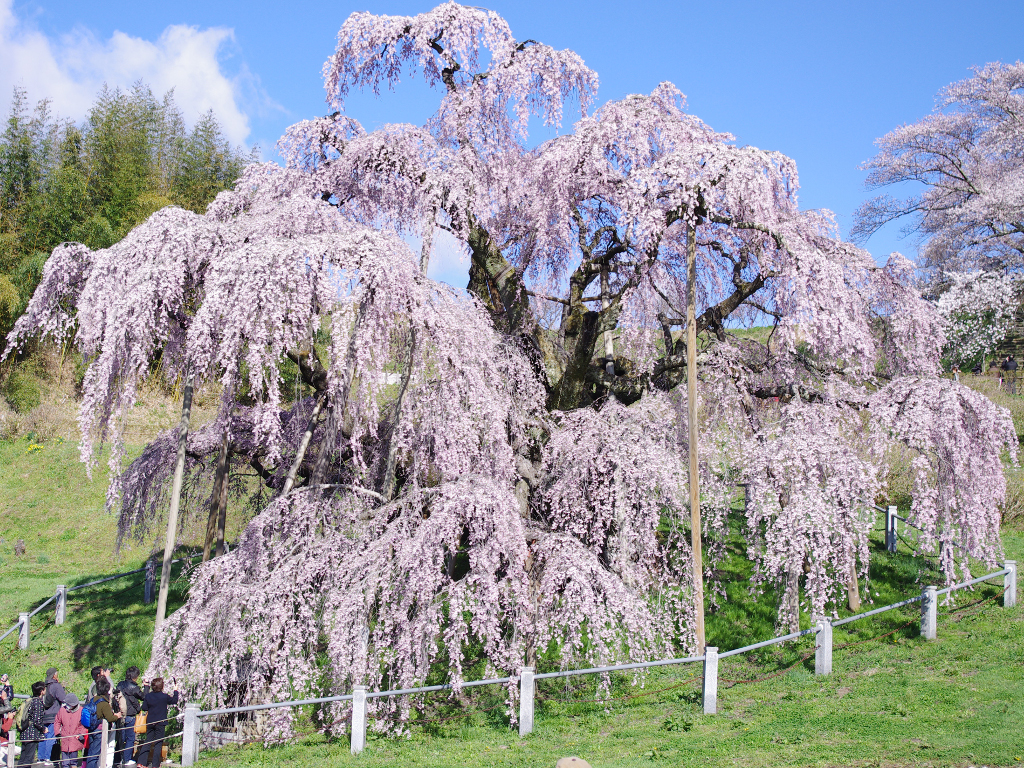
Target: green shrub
<point x="23" y="391"/>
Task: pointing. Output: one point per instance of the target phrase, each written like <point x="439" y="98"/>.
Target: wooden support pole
<point x="24" y="621"/>
<point x="61" y="612"/>
<point x="691" y="397"/>
<point x="823" y="647"/>
<point x="172" y="514"/>
<point x="289" y="480"/>
<point x="217" y="500"/>
<point x="929" y="603"/>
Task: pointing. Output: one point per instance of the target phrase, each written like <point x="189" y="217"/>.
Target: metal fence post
<point x="710" y="680"/>
<point x="190" y="736"/>
<point x="358" y="719"/>
<point x="929" y="600"/>
<point x="890" y="529"/>
<point x="823" y="647"/>
<point x="1010" y="584"/>
<point x="526" y="691"/>
<point x="104" y="729"/>
<point x="147" y="592"/>
<point x="61" y="612"/>
<point x="23" y="620"/>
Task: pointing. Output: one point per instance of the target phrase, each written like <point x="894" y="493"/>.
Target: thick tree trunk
<point x="789" y="611"/>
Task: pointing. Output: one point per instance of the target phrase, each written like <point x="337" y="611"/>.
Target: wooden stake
<point x="691" y="397"/>
<point x="219" y="498"/>
<point x="289" y="480"/>
<point x="172" y="515"/>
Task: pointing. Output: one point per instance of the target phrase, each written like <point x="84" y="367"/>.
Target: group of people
<point x="53" y="718"/>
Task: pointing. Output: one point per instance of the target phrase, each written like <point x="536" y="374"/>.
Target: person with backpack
<point x="129" y="696"/>
<point x="31" y="725"/>
<point x="53" y="697"/>
<point x="96" y="710"/>
<point x="156" y="704"/>
<point x="69" y="729"/>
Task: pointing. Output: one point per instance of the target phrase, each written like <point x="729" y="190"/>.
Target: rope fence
<point x="60" y="597"/>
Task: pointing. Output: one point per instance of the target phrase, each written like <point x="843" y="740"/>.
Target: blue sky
<point x="817" y="81"/>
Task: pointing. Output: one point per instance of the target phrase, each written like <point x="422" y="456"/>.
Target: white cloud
<point x="71" y="68"/>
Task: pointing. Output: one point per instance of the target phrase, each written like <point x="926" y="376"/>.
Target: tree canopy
<point x="965" y="165"/>
<point x="498" y="475"/>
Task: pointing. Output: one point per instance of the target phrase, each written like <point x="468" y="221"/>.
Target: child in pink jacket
<point x="68" y="726"/>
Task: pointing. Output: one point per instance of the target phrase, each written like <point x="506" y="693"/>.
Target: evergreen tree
<point x="92" y="183"/>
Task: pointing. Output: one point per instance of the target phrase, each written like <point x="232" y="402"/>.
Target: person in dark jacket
<point x="35" y="730"/>
<point x="156" y="703"/>
<point x="133" y="696"/>
<point x="103" y="712"/>
<point x="53" y="698"/>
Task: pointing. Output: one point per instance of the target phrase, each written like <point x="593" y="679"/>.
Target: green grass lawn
<point x="48" y="502"/>
<point x="893" y="699"/>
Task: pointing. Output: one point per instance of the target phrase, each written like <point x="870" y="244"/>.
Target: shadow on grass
<point x="110" y="623"/>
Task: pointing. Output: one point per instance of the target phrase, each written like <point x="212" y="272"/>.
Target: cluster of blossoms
<point x="980" y="309"/>
<point x="477" y="478"/>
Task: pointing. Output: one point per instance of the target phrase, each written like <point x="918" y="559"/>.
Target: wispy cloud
<point x="70" y="69"/>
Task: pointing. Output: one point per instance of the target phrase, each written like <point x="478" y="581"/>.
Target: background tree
<point x="473" y="479"/>
<point x="92" y="183"/>
<point x="967" y="161"/>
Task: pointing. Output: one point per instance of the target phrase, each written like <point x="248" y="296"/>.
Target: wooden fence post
<point x="23" y="620"/>
<point x="358" y="719"/>
<point x="526" y="693"/>
<point x="190" y="736"/>
<point x="147" y="591"/>
<point x="928" y="612"/>
<point x="1010" y="584"/>
<point x="823" y="647"/>
<point x="61" y="612"/>
<point x="710" y="680"/>
<point x="104" y="730"/>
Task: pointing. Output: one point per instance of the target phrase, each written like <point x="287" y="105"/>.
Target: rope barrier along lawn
<point x="875" y="612"/>
<point x="9" y="631"/>
<point x="40" y="607"/>
<point x="625" y="697"/>
<point x="972" y="582"/>
<point x="773" y="641"/>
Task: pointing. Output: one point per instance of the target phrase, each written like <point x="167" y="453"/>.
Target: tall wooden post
<point x="691" y="397"/>
<point x="218" y="502"/>
<point x="172" y="514"/>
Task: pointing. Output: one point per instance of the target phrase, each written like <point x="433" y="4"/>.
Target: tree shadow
<point x="110" y="623"/>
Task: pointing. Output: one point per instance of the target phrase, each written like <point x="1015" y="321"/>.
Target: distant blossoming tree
<point x="979" y="308"/>
<point x="965" y="163"/>
<point x="476" y="478"/>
